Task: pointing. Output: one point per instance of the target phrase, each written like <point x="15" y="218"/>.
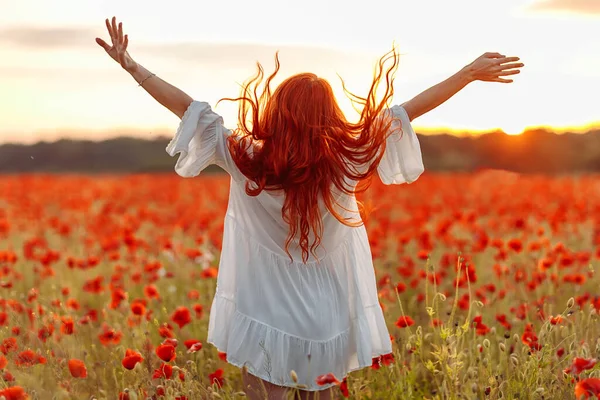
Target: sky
<point x="55" y="81"/>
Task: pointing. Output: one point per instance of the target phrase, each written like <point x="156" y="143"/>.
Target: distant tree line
<point x="535" y="151"/>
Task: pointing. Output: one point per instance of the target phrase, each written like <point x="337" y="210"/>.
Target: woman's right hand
<point x="118" y="50"/>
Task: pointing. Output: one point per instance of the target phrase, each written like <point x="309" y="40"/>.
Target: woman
<point x="296" y="295"/>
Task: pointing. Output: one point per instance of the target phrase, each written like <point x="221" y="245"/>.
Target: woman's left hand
<point x="491" y="67"/>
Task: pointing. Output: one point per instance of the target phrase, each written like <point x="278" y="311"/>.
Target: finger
<point x="103" y="44"/>
<point x="120" y="32"/>
<point x="501" y="80"/>
<point x="113" y="33"/>
<point x="511" y="72"/>
<point x="493" y="55"/>
<point x="125" y="43"/>
<point x="109" y="28"/>
<point x="511" y="66"/>
<point x="505" y="60"/>
<point x="114" y="28"/>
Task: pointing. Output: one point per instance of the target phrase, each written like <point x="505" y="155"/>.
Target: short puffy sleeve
<point x="201" y="140"/>
<point x="402" y="161"/>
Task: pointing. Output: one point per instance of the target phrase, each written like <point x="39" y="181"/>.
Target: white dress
<point x="274" y="315"/>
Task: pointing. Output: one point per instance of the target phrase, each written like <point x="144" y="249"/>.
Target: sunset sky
<point x="55" y="81"/>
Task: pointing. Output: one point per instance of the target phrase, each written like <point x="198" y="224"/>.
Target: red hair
<point x="303" y="144"/>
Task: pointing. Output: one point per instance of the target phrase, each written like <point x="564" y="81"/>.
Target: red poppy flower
<point x="138" y="308"/>
<point x="91" y="316"/>
<point x="404" y="321"/>
<point x="401" y="287"/>
<point x="530" y="339"/>
<point x="151" y="292"/>
<point x="110" y="336"/>
<point x="29" y="358"/>
<point x="344" y="388"/>
<point x="217" y="377"/>
<point x="193" y="294"/>
<point x="14" y="393"/>
<point x="117" y="296"/>
<point x="181" y="316"/>
<point x="77" y="368"/>
<point x="195" y="347"/>
<point x="164" y="371"/>
<point x="387" y="359"/>
<point x="515" y="245"/>
<point x="503" y="321"/>
<point x="172" y="341"/>
<point x="166" y="331"/>
<point x="326" y="379"/>
<point x="131" y="359"/>
<point x="166" y="352"/>
<point x="8" y="344"/>
<point x="480" y="327"/>
<point x="3" y="318"/>
<point x="376" y="363"/>
<point x="556" y="320"/>
<point x="190" y="342"/>
<point x="95" y="285"/>
<point x="67" y="326"/>
<point x="8" y="377"/>
<point x="45" y="332"/>
<point x="580" y="364"/>
<point x="210" y="272"/>
<point x="587" y="388"/>
<point x="198" y="309"/>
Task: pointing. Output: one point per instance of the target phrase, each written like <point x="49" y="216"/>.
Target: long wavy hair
<point x="296" y="139"/>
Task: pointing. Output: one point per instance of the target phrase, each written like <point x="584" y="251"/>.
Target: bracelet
<point x="149" y="76"/>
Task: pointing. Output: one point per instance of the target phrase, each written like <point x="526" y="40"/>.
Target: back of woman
<point x="296" y="302"/>
<point x="283" y="303"/>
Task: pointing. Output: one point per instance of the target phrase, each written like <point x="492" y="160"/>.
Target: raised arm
<point x="166" y="94"/>
<point x="490" y="67"/>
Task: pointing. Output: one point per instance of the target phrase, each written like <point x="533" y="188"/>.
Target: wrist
<point x="465" y="75"/>
<point x="133" y="69"/>
<point x="137" y="72"/>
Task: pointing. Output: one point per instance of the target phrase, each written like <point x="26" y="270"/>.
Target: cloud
<point x="186" y="57"/>
<point x="46" y="38"/>
<point x="574" y="6"/>
<point x="186" y="60"/>
<point x="55" y="75"/>
<point x="213" y="54"/>
<point x="230" y="55"/>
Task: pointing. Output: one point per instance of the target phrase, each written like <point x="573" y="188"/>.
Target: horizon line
<point x="166" y="133"/>
<point x="562" y="129"/>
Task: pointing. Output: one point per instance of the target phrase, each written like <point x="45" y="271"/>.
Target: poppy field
<point x="487" y="281"/>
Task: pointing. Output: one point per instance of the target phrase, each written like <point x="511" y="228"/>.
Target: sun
<point x="512" y="129"/>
